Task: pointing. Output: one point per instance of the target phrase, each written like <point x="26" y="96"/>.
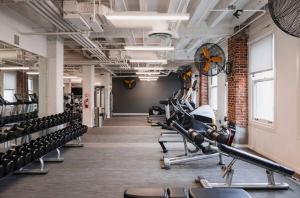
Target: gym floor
<point x="122" y="154"/>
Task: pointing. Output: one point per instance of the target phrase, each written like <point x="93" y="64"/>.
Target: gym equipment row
<point x="196" y="127"/>
<point x="22" y="105"/>
<point x="15" y="160"/>
<point x="31" y="126"/>
<point x="17" y="118"/>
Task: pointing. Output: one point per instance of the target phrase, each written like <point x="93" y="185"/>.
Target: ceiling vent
<point x="161" y="31"/>
<point x="161" y="34"/>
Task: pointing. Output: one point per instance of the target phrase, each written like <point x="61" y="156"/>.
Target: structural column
<point x="88" y="81"/>
<point x="203" y="90"/>
<point x="51" y="72"/>
<point x="238" y="86"/>
<point x="108" y="90"/>
<point x="68" y="87"/>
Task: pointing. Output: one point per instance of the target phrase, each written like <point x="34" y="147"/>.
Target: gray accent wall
<point x="144" y="95"/>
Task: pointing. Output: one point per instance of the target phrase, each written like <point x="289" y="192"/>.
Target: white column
<point x="88" y="80"/>
<point x="51" y="78"/>
<point x="108" y="89"/>
<point x="68" y="87"/>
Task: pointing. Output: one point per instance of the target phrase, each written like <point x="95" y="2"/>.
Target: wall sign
<point x="129" y="83"/>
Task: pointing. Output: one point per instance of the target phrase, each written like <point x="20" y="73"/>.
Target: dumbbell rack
<point x="43" y="159"/>
<point x="12" y="119"/>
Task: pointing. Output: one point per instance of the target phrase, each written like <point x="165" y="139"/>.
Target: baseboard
<point x="240" y="145"/>
<point x="130" y="114"/>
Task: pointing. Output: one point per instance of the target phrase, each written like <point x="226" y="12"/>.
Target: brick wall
<point x="238" y="80"/>
<point x="203" y="89"/>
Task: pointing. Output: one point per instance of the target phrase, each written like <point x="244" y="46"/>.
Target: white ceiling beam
<point x="201" y="12"/>
<point x="173" y="6"/>
<point x="216" y="17"/>
<point x="143" y="5"/>
<point x="189" y="33"/>
<point x="252" y="5"/>
<point x="119" y="5"/>
<point x="195" y="45"/>
<point x="182" y="43"/>
<point x="204" y="31"/>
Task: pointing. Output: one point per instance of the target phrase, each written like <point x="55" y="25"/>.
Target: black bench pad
<point x="178" y="192"/>
<point x="254" y="159"/>
<point x="218" y="193"/>
<point x="164" y="102"/>
<point x="145" y="193"/>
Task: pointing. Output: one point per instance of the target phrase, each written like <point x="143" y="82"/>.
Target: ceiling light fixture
<point x="149" y="68"/>
<point x="71" y="77"/>
<point x="149" y="79"/>
<point x="163" y="61"/>
<point x="147" y="73"/>
<point x="14" y="68"/>
<point x="150" y="17"/>
<point x="149" y="48"/>
<point x="32" y="73"/>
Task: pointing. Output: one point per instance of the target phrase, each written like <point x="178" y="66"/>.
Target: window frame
<point x="265" y="121"/>
<point x="30" y="79"/>
<point x="4" y="88"/>
<point x="210" y="87"/>
<point x="261" y="122"/>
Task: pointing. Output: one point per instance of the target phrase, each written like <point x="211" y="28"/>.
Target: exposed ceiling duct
<point x="11" y="54"/>
<point x="48" y="10"/>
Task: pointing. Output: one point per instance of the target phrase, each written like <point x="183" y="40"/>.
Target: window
<point x="261" y="62"/>
<point x="10" y="86"/>
<point x="213" y="92"/>
<point x="30" y="85"/>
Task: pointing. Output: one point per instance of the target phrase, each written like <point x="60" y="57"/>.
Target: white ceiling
<point x="204" y="25"/>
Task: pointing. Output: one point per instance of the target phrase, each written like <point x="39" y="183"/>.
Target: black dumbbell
<point x="21" y="150"/>
<point x="2" y="170"/>
<point x="18" y="159"/>
<point x="8" y="164"/>
<point x="33" y="151"/>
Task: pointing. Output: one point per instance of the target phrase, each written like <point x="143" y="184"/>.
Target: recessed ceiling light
<point x="148" y="48"/>
<point x="163" y="61"/>
<point x="14" y="68"/>
<point x="32" y="73"/>
<point x="149" y="68"/>
<point x="71" y="77"/>
<point x="149" y="17"/>
<point x="147" y="73"/>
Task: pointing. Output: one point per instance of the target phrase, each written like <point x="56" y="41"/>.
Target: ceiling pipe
<point x="47" y="10"/>
<point x="241" y="29"/>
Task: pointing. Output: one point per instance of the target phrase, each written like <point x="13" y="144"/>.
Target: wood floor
<point x="124" y="153"/>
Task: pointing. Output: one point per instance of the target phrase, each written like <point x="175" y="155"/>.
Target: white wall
<point x="14" y="24"/>
<point x="280" y="141"/>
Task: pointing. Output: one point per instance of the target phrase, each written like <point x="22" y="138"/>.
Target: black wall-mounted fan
<point x="286" y="15"/>
<point x="209" y="59"/>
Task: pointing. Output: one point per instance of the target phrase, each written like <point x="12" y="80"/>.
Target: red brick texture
<point x="238" y="80"/>
<point x="203" y="88"/>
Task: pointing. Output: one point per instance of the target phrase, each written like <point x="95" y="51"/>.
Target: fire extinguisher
<point x="86" y="102"/>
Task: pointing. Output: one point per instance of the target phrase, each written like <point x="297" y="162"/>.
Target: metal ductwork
<point x="11" y="54"/>
<point x="48" y="10"/>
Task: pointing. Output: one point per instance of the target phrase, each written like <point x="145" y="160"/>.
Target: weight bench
<point x="185" y="193"/>
<point x="237" y="154"/>
<point x="162" y="140"/>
